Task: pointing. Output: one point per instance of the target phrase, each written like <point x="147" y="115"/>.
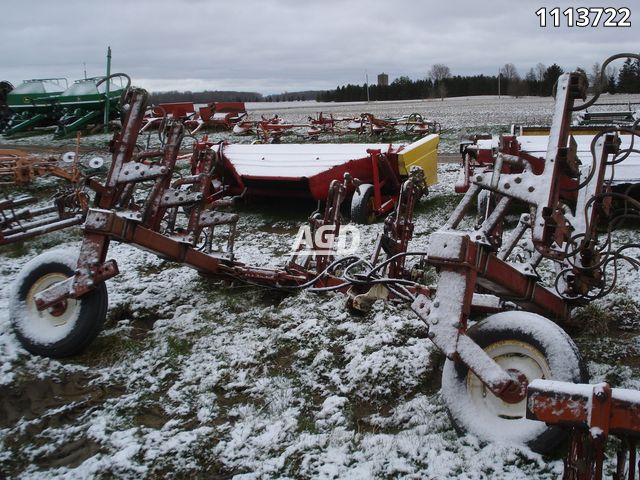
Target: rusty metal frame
<point x="469" y="259"/>
<point x="591" y="413"/>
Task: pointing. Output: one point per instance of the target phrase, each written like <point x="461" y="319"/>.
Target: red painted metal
<point x="591" y="413"/>
<point x="116" y="217"/>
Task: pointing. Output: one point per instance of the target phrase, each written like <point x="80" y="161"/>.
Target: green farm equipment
<point x="83" y="103"/>
<point x="32" y="104"/>
<point x="5" y="112"/>
<point x="51" y="102"/>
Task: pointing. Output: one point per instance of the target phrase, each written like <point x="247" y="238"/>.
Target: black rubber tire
<point x="362" y="211"/>
<point x="34" y="333"/>
<point x="518" y="339"/>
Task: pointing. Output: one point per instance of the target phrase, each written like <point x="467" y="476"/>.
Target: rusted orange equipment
<point x="17" y="167"/>
<point x="591" y="413"/>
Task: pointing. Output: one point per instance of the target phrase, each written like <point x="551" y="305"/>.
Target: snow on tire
<point x="521" y="341"/>
<point x="64" y="329"/>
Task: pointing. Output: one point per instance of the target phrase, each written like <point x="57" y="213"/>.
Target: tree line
<point x="208" y="96"/>
<point x="440" y="83"/>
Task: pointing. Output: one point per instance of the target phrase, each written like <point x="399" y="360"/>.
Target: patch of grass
<point x="153" y="269"/>
<point x="177" y="347"/>
<point x="593" y="320"/>
<point x="306" y="424"/>
<point x="107" y="349"/>
<point x="438" y="203"/>
<point x="625" y="313"/>
<point x="15" y="250"/>
<point x="120" y="312"/>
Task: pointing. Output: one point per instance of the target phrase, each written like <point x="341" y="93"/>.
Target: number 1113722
<point x="584" y="17"/>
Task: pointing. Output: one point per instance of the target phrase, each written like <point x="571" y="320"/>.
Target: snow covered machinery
<point x="489" y="365"/>
<point x="569" y="200"/>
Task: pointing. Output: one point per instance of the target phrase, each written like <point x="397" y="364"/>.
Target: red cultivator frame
<point x="489" y="365"/>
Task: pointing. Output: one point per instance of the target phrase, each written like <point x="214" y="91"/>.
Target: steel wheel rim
<point x="510" y="355"/>
<point x="56" y="316"/>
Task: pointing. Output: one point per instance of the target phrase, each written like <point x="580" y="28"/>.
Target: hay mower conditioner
<point x="307" y="170"/>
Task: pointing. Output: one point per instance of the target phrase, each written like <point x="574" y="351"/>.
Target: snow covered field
<point x="192" y="378"/>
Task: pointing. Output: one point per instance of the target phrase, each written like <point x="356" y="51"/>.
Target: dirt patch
<point x="31" y="399"/>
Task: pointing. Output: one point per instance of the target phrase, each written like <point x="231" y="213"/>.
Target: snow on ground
<point x="194" y="378"/>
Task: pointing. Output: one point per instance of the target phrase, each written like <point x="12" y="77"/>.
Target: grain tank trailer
<point x="32" y="104"/>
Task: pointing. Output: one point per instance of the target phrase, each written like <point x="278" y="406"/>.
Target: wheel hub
<point x="58" y="309"/>
<point x="516" y="391"/>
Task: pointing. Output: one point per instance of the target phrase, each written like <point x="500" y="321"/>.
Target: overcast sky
<point x="271" y="46"/>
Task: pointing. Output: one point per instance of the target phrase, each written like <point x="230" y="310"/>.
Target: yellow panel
<point x="423" y="153"/>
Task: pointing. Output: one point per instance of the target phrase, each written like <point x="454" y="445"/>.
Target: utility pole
<point x="366" y="79"/>
<point x="499" y="75"/>
<point x="84" y="66"/>
<point x="106" y="99"/>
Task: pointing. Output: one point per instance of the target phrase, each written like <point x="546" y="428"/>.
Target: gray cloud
<point x="276" y="45"/>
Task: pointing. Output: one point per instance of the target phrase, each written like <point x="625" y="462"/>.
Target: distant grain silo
<point x="383" y="80"/>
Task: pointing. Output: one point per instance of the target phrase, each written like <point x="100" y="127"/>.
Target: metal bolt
<point x="434" y="320"/>
<point x="479" y="178"/>
<point x="436" y="304"/>
<point x="431" y="335"/>
<point x="531" y="189"/>
<point x="507" y="186"/>
<point x="517" y="180"/>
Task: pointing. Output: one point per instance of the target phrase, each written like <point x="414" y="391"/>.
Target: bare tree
<point x="595" y="79"/>
<point x="531" y="75"/>
<point x="438" y="73"/>
<point x="540" y="68"/>
<point x="510" y="72"/>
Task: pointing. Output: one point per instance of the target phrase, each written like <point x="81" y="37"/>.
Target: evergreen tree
<point x="629" y="77"/>
<point x="550" y="78"/>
